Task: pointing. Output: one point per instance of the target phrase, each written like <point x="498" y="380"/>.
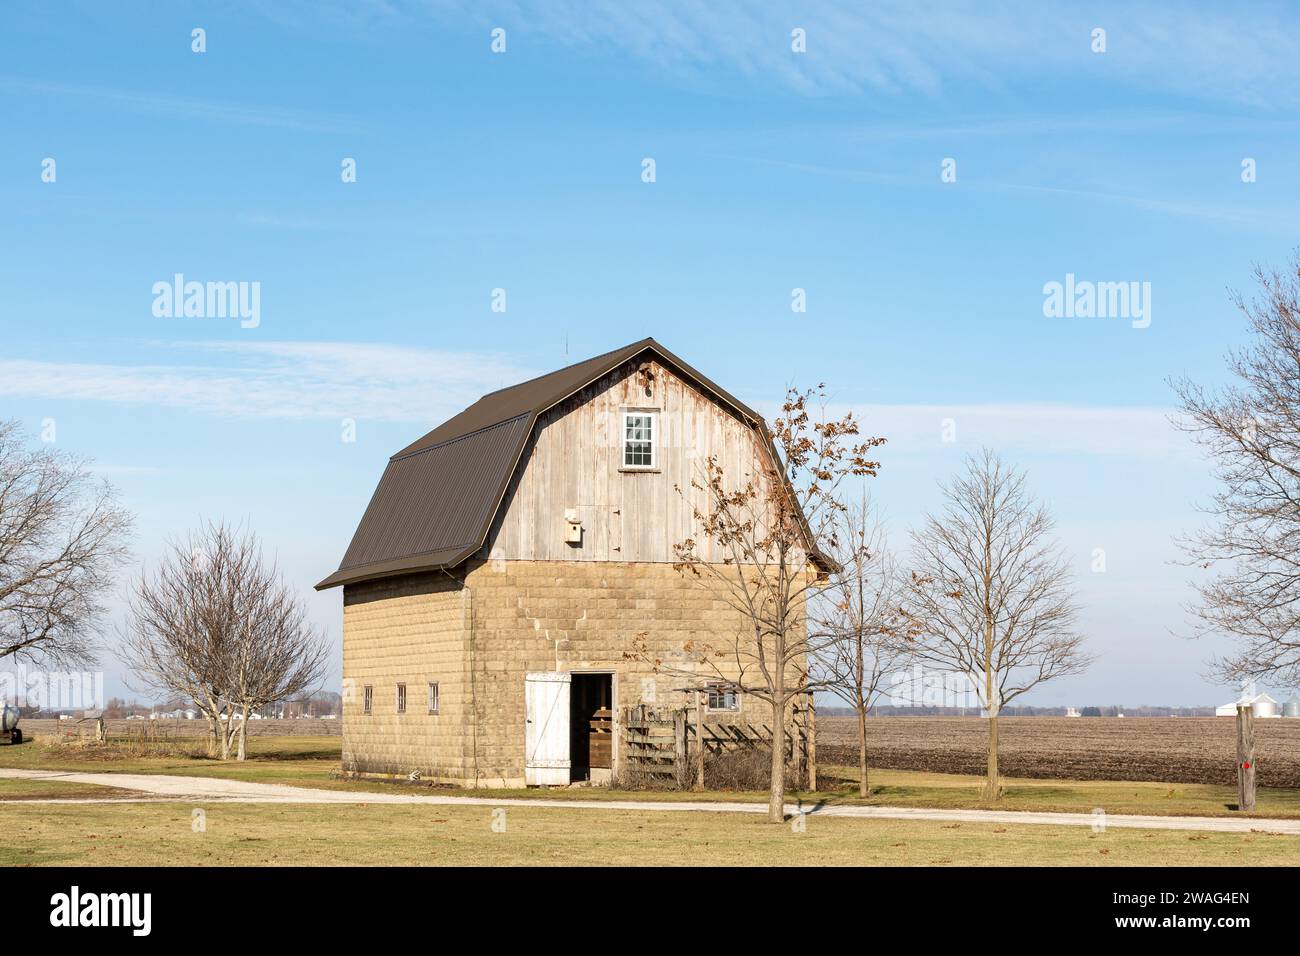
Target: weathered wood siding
<point x="574" y="462"/>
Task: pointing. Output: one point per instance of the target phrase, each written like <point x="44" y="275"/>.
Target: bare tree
<point x="216" y="623"/>
<point x="1251" y="431"/>
<point x="990" y="594"/>
<point x="758" y="535"/>
<point x="861" y="615"/>
<point x="62" y="534"/>
<point x="281" y="655"/>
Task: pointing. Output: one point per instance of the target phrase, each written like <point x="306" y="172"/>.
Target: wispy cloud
<point x="112" y="471"/>
<point x="294" y="380"/>
<point x="1215" y="212"/>
<point x="1020" y="124"/>
<point x="1030" y="428"/>
<point x="1223" y="53"/>
<point x="1270" y="217"/>
<point x="329" y="380"/>
<point x="186" y="107"/>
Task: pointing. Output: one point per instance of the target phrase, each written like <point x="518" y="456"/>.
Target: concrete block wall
<point x="584" y="616"/>
<point x="481" y="634"/>
<point x="411" y="630"/>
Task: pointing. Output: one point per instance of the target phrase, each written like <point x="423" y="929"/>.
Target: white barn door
<point x="546" y="703"/>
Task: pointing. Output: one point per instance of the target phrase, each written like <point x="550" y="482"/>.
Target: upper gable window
<point x="639" y="439"/>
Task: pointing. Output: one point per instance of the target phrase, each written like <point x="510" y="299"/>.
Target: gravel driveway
<point x="162" y="787"/>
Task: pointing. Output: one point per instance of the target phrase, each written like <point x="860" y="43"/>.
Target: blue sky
<point x="774" y="170"/>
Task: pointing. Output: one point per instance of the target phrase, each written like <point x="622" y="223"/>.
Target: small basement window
<point x="433" y="697"/>
<point x="639" y="439"/>
<point x="367" y="699"/>
<point x="724" y="697"/>
<point x="401" y="698"/>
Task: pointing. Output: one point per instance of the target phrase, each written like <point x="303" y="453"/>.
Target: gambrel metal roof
<point x="436" y="501"/>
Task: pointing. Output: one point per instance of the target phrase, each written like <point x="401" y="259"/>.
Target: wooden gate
<point x="663" y="743"/>
<point x="656" y="743"/>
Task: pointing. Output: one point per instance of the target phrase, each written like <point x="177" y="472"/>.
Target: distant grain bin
<point x="1292" y="708"/>
<point x="1266" y="706"/>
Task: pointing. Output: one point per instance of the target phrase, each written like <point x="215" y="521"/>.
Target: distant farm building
<point x="1262" y="704"/>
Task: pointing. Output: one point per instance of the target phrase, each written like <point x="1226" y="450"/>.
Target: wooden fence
<point x="663" y="743"/>
<point x="656" y="743"/>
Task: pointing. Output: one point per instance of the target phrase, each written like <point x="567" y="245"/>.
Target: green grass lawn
<point x="163" y="834"/>
<point x="299" y="761"/>
<point x="59" y="790"/>
<point x="310" y="762"/>
<point x="919" y="789"/>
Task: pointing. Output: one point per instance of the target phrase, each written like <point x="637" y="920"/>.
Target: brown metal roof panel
<point x="432" y="561"/>
<point x="436" y="501"/>
<point x="530" y="396"/>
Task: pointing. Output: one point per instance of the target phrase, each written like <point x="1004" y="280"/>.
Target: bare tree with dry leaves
<point x="215" y="622"/>
<point x="990" y="595"/>
<point x="759" y="536"/>
<point x="62" y="535"/>
<point x="1251" y="431"/>
<point x="861" y="615"/>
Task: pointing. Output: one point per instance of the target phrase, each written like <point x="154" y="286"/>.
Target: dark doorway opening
<point x="591" y="725"/>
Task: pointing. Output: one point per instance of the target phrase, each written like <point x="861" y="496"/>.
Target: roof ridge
<point x="455" y="438"/>
<point x="647" y="341"/>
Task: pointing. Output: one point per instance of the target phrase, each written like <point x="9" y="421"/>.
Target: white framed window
<point x="723" y="697"/>
<point x="640" y="436"/>
<point x="401" y="698"/>
<point x="367" y="699"/>
<point x="433" y="697"/>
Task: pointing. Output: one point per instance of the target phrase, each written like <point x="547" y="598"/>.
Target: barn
<point x="508" y="559"/>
